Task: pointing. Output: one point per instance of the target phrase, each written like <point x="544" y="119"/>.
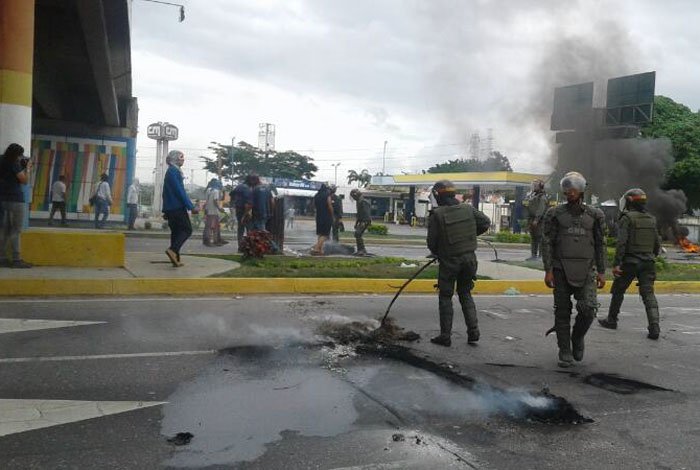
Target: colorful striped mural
<point x="81" y="161"/>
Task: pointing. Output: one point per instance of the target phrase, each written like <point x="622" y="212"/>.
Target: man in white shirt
<point x="58" y="200"/>
<point x="103" y="199"/>
<point x="132" y="204"/>
<point x="212" y="227"/>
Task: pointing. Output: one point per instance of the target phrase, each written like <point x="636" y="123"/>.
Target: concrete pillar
<point x="16" y="66"/>
<point x="476" y="197"/>
<point x="518" y="209"/>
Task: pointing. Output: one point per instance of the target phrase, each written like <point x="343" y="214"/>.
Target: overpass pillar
<point x="16" y="66"/>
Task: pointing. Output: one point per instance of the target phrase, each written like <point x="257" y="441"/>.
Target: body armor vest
<point x="575" y="246"/>
<point x="457" y="229"/>
<point x="642" y="235"/>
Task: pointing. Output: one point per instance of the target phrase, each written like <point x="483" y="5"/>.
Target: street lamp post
<point x="335" y="165"/>
<point x="384" y="159"/>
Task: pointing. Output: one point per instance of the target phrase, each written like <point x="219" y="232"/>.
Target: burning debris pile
<point x="364" y="339"/>
<point x="683" y="243"/>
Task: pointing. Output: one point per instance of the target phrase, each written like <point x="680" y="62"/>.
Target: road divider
<point x="233" y="286"/>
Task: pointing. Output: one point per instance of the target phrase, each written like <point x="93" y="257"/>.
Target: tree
<point x="362" y="178"/>
<point x="679" y="124"/>
<point x="682" y="126"/>
<point x="243" y="159"/>
<point x="496" y="162"/>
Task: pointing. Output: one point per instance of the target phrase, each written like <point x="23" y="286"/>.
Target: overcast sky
<point x="338" y="78"/>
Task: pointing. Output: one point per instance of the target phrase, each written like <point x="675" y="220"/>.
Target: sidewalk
<point x="138" y="265"/>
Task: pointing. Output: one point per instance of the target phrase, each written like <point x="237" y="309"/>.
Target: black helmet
<point x="443" y="188"/>
<point x="634" y="196"/>
<point x="573" y="179"/>
<point x="355" y="194"/>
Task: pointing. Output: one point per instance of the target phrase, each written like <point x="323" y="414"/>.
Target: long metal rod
<point x="386" y="314"/>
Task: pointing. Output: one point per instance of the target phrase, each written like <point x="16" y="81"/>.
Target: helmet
<point x="573" y="180"/>
<point x="355" y="194"/>
<point x="443" y="188"/>
<point x="633" y="196"/>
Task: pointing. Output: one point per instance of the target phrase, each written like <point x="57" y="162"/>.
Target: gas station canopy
<point x="490" y="179"/>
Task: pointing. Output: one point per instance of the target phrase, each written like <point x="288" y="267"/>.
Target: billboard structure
<point x="162" y="133"/>
<point x="630" y="99"/>
<point x="573" y="106"/>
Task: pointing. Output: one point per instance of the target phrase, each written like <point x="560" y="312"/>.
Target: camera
<point x="23" y="162"/>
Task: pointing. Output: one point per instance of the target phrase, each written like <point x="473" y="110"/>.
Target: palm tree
<point x="362" y="178"/>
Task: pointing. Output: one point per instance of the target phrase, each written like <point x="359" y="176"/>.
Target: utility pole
<point x="336" y="165"/>
<point x="384" y="159"/>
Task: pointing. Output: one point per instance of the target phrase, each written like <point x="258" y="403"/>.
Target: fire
<point x="687" y="246"/>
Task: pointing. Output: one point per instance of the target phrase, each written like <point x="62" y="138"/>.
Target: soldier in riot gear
<point x="536" y="203"/>
<point x="638" y="244"/>
<point x="574" y="262"/>
<point x="452" y="231"/>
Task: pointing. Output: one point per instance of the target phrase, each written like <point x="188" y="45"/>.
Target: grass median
<point x="328" y="267"/>
<point x="665" y="271"/>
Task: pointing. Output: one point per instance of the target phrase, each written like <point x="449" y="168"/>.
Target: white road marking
<point x="12" y="360"/>
<point x="26" y="415"/>
<point x="13" y="325"/>
<point x="382" y="466"/>
<point x="495" y="314"/>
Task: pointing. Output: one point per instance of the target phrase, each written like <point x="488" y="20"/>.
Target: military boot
<point x="578" y="332"/>
<point x="654" y="331"/>
<point x="564" y="343"/>
<point x="473" y="335"/>
<point x="608" y="323"/>
<point x="446" y="315"/>
<point x="442" y="340"/>
<point x="613" y="312"/>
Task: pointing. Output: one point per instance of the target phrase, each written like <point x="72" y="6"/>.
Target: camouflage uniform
<point x="573" y="250"/>
<point x="363" y="221"/>
<point x="536" y="204"/>
<point x="452" y="232"/>
<point x="638" y="244"/>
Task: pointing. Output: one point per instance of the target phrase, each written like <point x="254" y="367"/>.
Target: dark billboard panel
<point x="630" y="99"/>
<point x="572" y="106"/>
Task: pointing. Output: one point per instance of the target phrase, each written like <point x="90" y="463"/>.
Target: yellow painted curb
<point x="16" y="88"/>
<point x="228" y="286"/>
<point x="77" y="249"/>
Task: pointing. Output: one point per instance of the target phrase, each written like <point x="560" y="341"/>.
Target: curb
<point x="229" y="286"/>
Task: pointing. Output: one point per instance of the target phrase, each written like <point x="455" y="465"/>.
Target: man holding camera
<point x="14" y="172"/>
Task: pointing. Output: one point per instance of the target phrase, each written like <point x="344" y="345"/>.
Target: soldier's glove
<point x="549" y="279"/>
<point x="600" y="280"/>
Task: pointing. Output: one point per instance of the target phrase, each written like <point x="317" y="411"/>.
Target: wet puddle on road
<point x="250" y="397"/>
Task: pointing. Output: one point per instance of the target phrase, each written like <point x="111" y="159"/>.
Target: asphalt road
<point x="257" y="388"/>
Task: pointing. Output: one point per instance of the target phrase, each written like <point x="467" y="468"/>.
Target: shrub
<point x="378" y="229"/>
<point x="505" y="236"/>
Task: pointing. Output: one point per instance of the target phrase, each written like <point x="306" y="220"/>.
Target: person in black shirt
<point x="14" y="172"/>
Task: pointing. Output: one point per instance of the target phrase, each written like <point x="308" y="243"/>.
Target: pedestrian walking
<point x="242" y="200"/>
<point x="337" y="203"/>
<point x="638" y="245"/>
<point x="176" y="203"/>
<point x="103" y="199"/>
<point x="132" y="204"/>
<point x="212" y="214"/>
<point x="58" y="200"/>
<point x="14" y="172"/>
<point x="324" y="218"/>
<point x="363" y="219"/>
<point x="574" y="262"/>
<point x="452" y="231"/>
<point x="263" y="205"/>
<point x="289" y="215"/>
<point x="536" y="203"/>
